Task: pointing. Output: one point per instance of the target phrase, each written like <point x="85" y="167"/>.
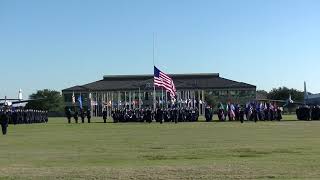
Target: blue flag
<point x="80" y="102"/>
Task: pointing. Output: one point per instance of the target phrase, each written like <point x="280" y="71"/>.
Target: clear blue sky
<point x="57" y="44"/>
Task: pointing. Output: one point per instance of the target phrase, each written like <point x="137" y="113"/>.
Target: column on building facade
<point x="203" y="102"/>
<point x="140" y="99"/>
<point x="130" y="102"/>
<point x="125" y="99"/>
<point x="189" y="98"/>
<point x="180" y="98"/>
<point x="186" y="98"/>
<point x="199" y="99"/>
<point x="194" y="99"/>
<point x="103" y="99"/>
<point x="107" y="99"/>
<point x="111" y="104"/>
<point x="129" y="99"/>
<point x="119" y="99"/>
<point x="112" y="101"/>
<point x="166" y="102"/>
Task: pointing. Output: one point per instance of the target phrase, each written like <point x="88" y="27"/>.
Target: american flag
<point x="163" y="80"/>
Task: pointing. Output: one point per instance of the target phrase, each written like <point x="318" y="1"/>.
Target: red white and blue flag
<point x="163" y="80"/>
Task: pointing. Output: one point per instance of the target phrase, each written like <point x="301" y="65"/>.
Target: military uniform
<point x="241" y="115"/>
<point x="89" y="115"/>
<point x="83" y="115"/>
<point x="4" y="120"/>
<point x="105" y="114"/>
<point x="68" y="114"/>
<point x="75" y="116"/>
<point x="207" y="114"/>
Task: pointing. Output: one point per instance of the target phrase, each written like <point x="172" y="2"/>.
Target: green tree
<point x="282" y="93"/>
<point x="51" y="100"/>
<point x="211" y="100"/>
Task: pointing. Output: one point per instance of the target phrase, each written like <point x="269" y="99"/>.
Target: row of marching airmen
<point x="252" y="111"/>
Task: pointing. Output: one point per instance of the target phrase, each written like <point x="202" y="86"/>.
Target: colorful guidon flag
<point x="73" y="98"/>
<point x="163" y="80"/>
<point x="80" y="102"/>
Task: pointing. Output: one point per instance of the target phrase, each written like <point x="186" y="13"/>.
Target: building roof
<point x="182" y="81"/>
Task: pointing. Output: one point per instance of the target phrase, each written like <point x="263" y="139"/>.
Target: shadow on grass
<point x="248" y="152"/>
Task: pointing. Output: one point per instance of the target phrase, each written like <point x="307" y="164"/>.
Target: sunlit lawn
<point x="215" y="150"/>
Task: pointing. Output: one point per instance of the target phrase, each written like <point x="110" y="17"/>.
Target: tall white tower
<point x="20" y="97"/>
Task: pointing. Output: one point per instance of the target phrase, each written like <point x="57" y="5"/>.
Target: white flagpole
<point x="154" y="87"/>
<point x="162" y="98"/>
<point x="166" y="99"/>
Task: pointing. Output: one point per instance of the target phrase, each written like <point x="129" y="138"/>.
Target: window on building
<point x="67" y="97"/>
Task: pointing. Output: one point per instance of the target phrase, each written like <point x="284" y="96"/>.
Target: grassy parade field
<point x="288" y="149"/>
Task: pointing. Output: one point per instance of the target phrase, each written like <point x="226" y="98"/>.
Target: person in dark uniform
<point x="104" y="115"/>
<point x="241" y="114"/>
<point x="161" y="118"/>
<point x="46" y="116"/>
<point x="115" y="115"/>
<point x="75" y="116"/>
<point x="236" y="112"/>
<point x="25" y="117"/>
<point x="175" y="115"/>
<point x="317" y="109"/>
<point x="160" y="115"/>
<point x="149" y="115"/>
<point x="254" y="115"/>
<point x="193" y="115"/>
<point x="4" y="120"/>
<point x="82" y="115"/>
<point x="303" y="113"/>
<point x="20" y="116"/>
<point x="315" y="113"/>
<point x="208" y="113"/>
<point x="68" y="114"/>
<point x="188" y="115"/>
<point x="14" y="117"/>
<point x="279" y="114"/>
<point x="166" y="115"/>
<point x="306" y="113"/>
<point x="89" y="115"/>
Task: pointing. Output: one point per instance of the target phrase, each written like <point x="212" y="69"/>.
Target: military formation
<point x="78" y="115"/>
<point x="159" y="115"/>
<point x="253" y="111"/>
<point x="308" y="113"/>
<point x="21" y="116"/>
<point x="231" y="112"/>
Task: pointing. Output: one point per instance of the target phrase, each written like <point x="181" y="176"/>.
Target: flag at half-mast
<point x="163" y="80"/>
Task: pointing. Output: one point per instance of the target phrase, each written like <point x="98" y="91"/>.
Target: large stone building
<point x="136" y="91"/>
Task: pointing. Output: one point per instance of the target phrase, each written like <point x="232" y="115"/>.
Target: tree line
<point x="281" y="93"/>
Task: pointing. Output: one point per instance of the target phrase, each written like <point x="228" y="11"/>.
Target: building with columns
<point x="137" y="91"/>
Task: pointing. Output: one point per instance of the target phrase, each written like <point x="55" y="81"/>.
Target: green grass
<point x="228" y="150"/>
